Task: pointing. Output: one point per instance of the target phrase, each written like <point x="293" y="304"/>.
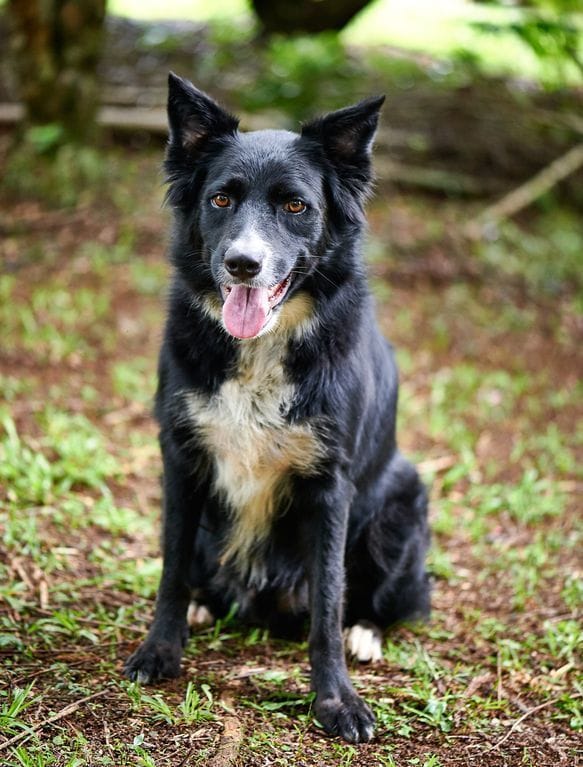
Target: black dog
<point x="284" y="491"/>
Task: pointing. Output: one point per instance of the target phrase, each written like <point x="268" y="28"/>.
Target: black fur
<point x="350" y="542"/>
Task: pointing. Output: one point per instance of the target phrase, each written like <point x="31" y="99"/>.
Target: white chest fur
<point x="253" y="448"/>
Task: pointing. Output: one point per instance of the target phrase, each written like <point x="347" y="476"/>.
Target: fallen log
<point x="154" y="121"/>
<point x="116" y="118"/>
<point x="435" y="179"/>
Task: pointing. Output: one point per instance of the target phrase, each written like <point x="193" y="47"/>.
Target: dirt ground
<point x="490" y="362"/>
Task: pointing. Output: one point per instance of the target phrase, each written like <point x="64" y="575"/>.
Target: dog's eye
<point x="295" y="206"/>
<point x="220" y="201"/>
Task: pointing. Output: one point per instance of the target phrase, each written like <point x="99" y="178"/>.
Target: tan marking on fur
<point x="212" y="306"/>
<point x="296" y="314"/>
<point x="254" y="449"/>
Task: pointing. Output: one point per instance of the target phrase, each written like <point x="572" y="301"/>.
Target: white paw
<point x="364" y="642"/>
<point x="199" y="615"/>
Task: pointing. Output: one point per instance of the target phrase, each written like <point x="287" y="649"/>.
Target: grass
<point x="488" y="409"/>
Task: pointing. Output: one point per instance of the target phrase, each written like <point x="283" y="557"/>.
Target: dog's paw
<point x="199" y="615"/>
<point x="153" y="661"/>
<point x="346" y="715"/>
<point x="364" y="642"/>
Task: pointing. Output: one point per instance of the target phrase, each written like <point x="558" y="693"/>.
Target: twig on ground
<point x="476" y="683"/>
<point x="437" y="464"/>
<point x="519" y="721"/>
<point x="50" y="670"/>
<point x="43" y="594"/>
<point x="230" y="741"/>
<point x="70" y="709"/>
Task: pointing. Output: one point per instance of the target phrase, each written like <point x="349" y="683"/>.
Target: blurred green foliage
<point x="546" y="258"/>
<point x="549" y="28"/>
<point x="305" y="71"/>
<point x="42" y="167"/>
<point x="526" y="32"/>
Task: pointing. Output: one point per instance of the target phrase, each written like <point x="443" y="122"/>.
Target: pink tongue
<point x="245" y="311"/>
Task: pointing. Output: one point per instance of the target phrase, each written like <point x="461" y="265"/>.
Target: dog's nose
<point x="241" y="265"/>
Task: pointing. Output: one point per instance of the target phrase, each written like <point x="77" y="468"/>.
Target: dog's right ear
<point x="194" y="117"/>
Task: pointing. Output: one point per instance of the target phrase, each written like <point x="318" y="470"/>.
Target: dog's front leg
<point x="160" y="654"/>
<point x="337" y="706"/>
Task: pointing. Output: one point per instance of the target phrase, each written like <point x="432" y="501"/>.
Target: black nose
<point x="241" y="265"/>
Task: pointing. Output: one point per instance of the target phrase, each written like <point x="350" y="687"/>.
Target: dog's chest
<point x="254" y="449"/>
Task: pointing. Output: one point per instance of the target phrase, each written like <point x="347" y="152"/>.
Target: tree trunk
<point x="308" y="16"/>
<point x="56" y="46"/>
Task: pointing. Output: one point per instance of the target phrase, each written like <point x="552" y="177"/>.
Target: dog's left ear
<point x="346" y="137"/>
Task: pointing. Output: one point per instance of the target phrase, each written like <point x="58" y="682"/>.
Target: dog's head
<point x="257" y="212"/>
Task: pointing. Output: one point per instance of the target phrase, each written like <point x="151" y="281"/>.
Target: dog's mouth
<point x="247" y="310"/>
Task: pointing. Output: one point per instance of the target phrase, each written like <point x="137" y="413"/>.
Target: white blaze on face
<point x="246" y="309"/>
<point x="251" y="243"/>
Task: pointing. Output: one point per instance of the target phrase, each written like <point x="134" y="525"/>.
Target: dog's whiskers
<point x="314" y="270"/>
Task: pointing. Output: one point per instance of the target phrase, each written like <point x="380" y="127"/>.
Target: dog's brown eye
<point x="295" y="206"/>
<point x="220" y="200"/>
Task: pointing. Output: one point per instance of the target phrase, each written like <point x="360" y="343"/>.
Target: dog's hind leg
<point x="386" y="577"/>
<point x="204" y="562"/>
<point x="209" y="601"/>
